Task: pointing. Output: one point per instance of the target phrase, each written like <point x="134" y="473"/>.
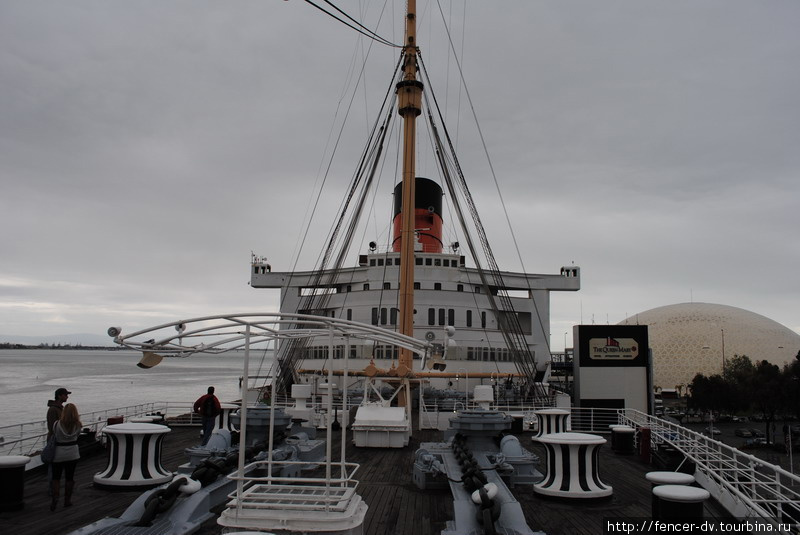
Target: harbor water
<point x="103" y="379"/>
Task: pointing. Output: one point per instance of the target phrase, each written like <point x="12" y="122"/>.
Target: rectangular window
<point x="387" y="285"/>
<point x="349" y="314"/>
<point x="483" y="320"/>
<point x="477" y="289"/>
<point x="374" y="316"/>
<point x="380" y="261"/>
<point x="469" y="318"/>
<point x="417" y="286"/>
<point x="366" y="286"/>
<point x="431" y="316"/>
<point x="418" y="261"/>
<point x="437" y="262"/>
<point x="437" y="286"/>
<point x="441" y="316"/>
<point x="393" y="316"/>
<point x="428" y="262"/>
<point x="451" y="316"/>
<point x="383" y="316"/>
<point x="371" y="261"/>
<point x="460" y="288"/>
<point x="446" y="262"/>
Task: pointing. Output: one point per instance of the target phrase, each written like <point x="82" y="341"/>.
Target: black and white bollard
<point x="573" y="469"/>
<point x="551" y="421"/>
<point x="134" y="456"/>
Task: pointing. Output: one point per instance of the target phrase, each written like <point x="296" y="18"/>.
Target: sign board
<point x="613" y="368"/>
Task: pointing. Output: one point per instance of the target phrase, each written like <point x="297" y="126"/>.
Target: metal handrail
<point x="28" y="438"/>
<point x="346" y="479"/>
<point x="755" y="488"/>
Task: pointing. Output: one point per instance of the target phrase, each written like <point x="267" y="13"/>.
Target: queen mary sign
<point x="609" y="348"/>
<point x="613" y="368"/>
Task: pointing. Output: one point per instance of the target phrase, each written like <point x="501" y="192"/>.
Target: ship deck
<point x="396" y="505"/>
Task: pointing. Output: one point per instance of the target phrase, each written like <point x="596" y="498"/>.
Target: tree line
<point x="761" y="389"/>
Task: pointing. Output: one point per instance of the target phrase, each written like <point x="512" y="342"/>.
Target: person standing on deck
<point x="66" y="431"/>
<point x="209" y="408"/>
<point x="54" y="408"/>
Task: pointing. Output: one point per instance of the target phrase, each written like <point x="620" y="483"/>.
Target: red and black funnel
<point x="427" y="215"/>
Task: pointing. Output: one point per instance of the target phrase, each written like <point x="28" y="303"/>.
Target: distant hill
<point x="84" y="339"/>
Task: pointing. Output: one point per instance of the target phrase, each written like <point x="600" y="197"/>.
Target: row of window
<point x="486" y="354"/>
<point x="438" y="316"/>
<point x="489" y="354"/>
<point x="417" y="286"/>
<point x="441" y="316"/>
<point x="379" y="352"/>
<point x="436" y="262"/>
<point x="434" y="314"/>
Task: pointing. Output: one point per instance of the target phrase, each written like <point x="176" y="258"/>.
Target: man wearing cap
<point x="54" y="408"/>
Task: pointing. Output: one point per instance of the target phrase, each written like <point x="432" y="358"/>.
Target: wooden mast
<point x="409" y="106"/>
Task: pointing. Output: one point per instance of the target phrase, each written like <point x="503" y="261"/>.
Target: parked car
<point x="756" y="432"/>
<point x="713" y="431"/>
<point x="742" y="432"/>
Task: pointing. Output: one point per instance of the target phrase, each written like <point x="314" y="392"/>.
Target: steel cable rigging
<point x="360" y="28"/>
<point x="324" y="277"/>
<point x="507" y="319"/>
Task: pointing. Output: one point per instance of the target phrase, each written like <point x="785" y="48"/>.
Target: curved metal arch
<point x="226" y="332"/>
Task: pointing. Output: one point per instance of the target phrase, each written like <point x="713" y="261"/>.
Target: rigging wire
<point x="511" y="327"/>
<point x="341" y="234"/>
<point x="491" y="168"/>
<point x="360" y="28"/>
<point x="316" y="202"/>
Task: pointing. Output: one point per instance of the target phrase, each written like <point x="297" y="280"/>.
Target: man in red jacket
<point x="209" y="408"/>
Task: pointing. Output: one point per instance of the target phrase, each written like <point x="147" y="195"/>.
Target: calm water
<point x="108" y="379"/>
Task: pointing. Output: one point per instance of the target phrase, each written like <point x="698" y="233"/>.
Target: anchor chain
<point x="160" y="501"/>
<point x="206" y="473"/>
<point x="473" y="480"/>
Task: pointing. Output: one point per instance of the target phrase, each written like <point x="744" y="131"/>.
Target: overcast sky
<point x="147" y="147"/>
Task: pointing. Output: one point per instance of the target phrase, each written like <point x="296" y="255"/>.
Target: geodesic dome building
<point x="691" y="338"/>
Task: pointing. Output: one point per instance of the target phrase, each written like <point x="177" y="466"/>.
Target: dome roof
<point x="690" y="338"/>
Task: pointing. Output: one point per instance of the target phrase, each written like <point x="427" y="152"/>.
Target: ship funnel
<point x="427" y="216"/>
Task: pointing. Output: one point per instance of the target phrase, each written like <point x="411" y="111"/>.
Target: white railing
<point x="596" y="421"/>
<point x="28" y="438"/>
<point x="266" y="500"/>
<point x="748" y="487"/>
<point x="433" y="412"/>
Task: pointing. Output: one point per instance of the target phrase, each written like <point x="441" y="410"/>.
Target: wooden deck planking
<point x="90" y="503"/>
<point x="396" y="506"/>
